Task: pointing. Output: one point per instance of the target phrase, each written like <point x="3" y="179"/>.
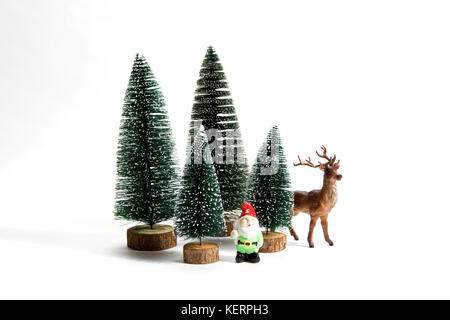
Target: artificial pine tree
<point x="213" y="108"/>
<point x="146" y="167"/>
<point x="199" y="205"/>
<point x="269" y="192"/>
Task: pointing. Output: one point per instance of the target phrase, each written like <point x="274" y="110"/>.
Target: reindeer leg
<point x="324" y="222"/>
<point x="293" y="233"/>
<point x="312" y="225"/>
<point x="291" y="229"/>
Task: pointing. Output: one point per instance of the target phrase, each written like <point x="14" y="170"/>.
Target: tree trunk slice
<point x="229" y="227"/>
<point x="194" y="253"/>
<point x="273" y="242"/>
<point x="230" y="219"/>
<point x="160" y="237"/>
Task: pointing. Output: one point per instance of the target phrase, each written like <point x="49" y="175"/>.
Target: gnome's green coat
<point x="252" y="248"/>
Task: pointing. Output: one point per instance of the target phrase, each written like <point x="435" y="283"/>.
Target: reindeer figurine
<point x="318" y="203"/>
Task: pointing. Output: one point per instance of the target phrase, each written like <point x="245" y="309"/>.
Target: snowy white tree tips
<point x="199" y="205"/>
<point x="214" y="109"/>
<point x="269" y="184"/>
<point x="147" y="172"/>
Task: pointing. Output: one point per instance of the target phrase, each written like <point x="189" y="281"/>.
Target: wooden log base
<point x="160" y="237"/>
<point x="194" y="253"/>
<point x="273" y="242"/>
<point x="230" y="219"/>
<point x="229" y="227"/>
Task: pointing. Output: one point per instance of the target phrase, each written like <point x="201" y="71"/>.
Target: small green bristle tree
<point x="269" y="184"/>
<point x="213" y="108"/>
<point x="147" y="171"/>
<point x="199" y="206"/>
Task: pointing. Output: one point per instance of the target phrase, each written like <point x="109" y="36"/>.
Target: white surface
<point x="370" y="80"/>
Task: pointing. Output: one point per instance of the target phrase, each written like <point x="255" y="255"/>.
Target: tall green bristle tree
<point x="213" y="108"/>
<point x="147" y="171"/>
<point x="269" y="184"/>
<point x="199" y="205"/>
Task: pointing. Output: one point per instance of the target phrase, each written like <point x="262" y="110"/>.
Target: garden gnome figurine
<point x="247" y="235"/>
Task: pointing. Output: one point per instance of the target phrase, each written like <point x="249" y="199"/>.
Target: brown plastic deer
<point x="318" y="203"/>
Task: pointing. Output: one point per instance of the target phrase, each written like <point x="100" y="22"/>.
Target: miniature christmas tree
<point x="269" y="191"/>
<point x="146" y="167"/>
<point x="199" y="206"/>
<point x="213" y="108"/>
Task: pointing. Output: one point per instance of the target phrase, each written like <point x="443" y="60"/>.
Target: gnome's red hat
<point x="248" y="210"/>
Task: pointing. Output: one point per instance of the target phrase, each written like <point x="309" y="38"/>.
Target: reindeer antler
<point x="307" y="163"/>
<point x="330" y="161"/>
<point x="325" y="156"/>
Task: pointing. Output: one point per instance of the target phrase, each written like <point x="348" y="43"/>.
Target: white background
<point x="369" y="79"/>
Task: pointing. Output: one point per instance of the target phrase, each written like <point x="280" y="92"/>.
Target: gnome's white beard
<point x="249" y="232"/>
